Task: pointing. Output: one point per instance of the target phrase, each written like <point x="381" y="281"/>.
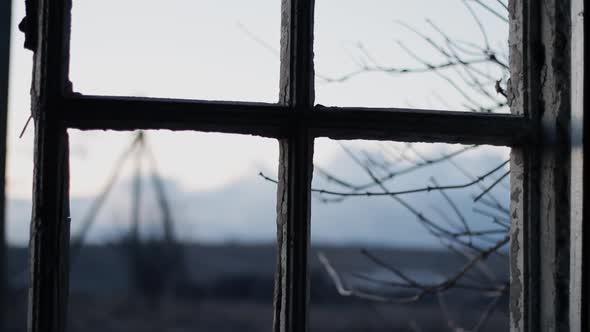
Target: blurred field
<point x="230" y="288"/>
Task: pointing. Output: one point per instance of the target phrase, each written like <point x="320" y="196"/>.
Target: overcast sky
<point x="226" y="50"/>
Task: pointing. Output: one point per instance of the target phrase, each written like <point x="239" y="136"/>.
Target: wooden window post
<point x="295" y="167"/>
<point x="49" y="239"/>
<point x="547" y="185"/>
<point x="580" y="178"/>
<point x="545" y="197"/>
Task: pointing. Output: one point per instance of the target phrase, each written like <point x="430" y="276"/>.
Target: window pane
<point x="425" y="54"/>
<point x="211" y="50"/>
<point x="405" y="238"/>
<point x="184" y="240"/>
<point x="19" y="183"/>
<point x="17" y="282"/>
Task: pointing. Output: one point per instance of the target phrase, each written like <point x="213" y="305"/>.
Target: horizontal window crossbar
<point x="130" y="113"/>
<point x="412" y="125"/>
<point x="274" y="120"/>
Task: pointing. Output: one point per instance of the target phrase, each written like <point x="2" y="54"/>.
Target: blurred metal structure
<point x="142" y="251"/>
<point x="140" y="152"/>
<point x="5" y="19"/>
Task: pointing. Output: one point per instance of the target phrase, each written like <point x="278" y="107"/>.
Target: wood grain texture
<point x="295" y="167"/>
<point x="580" y="253"/>
<point x="49" y="239"/>
<point x="539" y="94"/>
<point x="540" y="90"/>
<point x="274" y="120"/>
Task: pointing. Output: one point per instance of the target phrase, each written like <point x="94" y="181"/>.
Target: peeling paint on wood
<point x="538" y="129"/>
<point x="579" y="272"/>
<point x="49" y="240"/>
<point x="274" y="120"/>
<point x="517" y="238"/>
<point x="539" y="89"/>
<point x="295" y="167"/>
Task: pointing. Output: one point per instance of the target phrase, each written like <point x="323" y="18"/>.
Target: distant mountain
<point x="244" y="210"/>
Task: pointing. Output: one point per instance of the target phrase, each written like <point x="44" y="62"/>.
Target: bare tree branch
<point x="410" y="191"/>
<point x="423" y="289"/>
<point x="493" y="11"/>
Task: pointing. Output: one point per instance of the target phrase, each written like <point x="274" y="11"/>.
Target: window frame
<point x="580" y="175"/>
<point x="537" y="296"/>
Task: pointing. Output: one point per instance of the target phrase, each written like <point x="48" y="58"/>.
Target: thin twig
<point x="423" y="290"/>
<point x="401" y="192"/>
<point x="491" y="186"/>
<point x="492" y="10"/>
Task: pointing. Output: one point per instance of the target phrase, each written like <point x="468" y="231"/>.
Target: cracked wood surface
<point x="540" y="89"/>
<point x="295" y="167"/>
<point x="49" y="232"/>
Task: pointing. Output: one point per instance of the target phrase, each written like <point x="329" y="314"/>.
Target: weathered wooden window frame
<point x="539" y="177"/>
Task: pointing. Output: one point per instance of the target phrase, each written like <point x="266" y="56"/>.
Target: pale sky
<point x="212" y="50"/>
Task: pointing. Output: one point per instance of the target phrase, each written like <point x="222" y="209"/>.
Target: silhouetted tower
<point x="156" y="263"/>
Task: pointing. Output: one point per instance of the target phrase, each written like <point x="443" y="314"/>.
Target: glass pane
<point x="211" y="50"/>
<point x="426" y="54"/>
<point x="171" y="239"/>
<point x="406" y="238"/>
<point x="19" y="183"/>
<point x="17" y="281"/>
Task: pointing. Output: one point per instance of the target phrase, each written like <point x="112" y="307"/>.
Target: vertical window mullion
<point x="47" y="33"/>
<point x="523" y="252"/>
<point x="579" y="288"/>
<point x="541" y="247"/>
<point x="295" y="167"/>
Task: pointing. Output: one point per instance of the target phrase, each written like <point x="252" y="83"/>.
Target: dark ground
<point x="229" y="288"/>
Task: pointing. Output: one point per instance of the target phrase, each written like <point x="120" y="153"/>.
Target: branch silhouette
<point x="477" y="71"/>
